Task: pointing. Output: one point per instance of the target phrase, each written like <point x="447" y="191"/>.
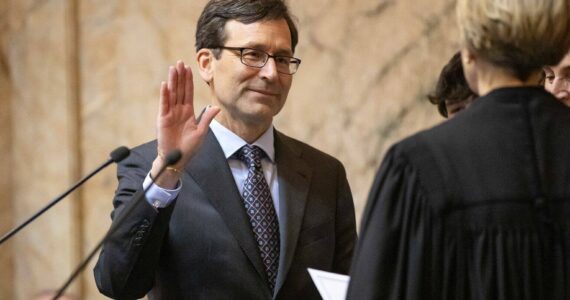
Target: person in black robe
<point x="479" y="207"/>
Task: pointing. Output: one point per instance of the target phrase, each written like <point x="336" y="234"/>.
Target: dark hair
<point x="542" y="78"/>
<point x="210" y="29"/>
<point x="451" y="85"/>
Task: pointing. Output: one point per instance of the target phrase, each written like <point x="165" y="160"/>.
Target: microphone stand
<point x="172" y="158"/>
<point x="116" y="156"/>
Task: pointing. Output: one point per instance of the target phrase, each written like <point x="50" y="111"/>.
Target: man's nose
<point x="270" y="69"/>
<point x="561" y="84"/>
<point x="561" y="89"/>
<point x="563" y="95"/>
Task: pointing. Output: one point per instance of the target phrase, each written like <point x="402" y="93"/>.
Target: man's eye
<point x="253" y="55"/>
<point x="550" y="78"/>
<point x="282" y="60"/>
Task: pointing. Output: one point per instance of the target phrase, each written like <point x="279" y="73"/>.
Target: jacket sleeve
<point x="127" y="264"/>
<point x="345" y="226"/>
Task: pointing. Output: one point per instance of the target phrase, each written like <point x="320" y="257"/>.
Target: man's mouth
<point x="264" y="92"/>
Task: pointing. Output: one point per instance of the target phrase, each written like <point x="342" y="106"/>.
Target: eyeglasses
<point x="258" y="58"/>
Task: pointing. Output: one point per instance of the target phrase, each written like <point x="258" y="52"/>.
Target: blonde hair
<point x="520" y="35"/>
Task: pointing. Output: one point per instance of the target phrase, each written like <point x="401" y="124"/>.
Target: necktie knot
<point x="251" y="156"/>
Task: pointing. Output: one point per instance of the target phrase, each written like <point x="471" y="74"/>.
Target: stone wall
<point x="6" y="206"/>
<point x="79" y="78"/>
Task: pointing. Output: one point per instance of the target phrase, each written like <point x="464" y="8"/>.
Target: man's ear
<point x="205" y="58"/>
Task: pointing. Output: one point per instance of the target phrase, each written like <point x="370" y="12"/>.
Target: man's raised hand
<point x="177" y="125"/>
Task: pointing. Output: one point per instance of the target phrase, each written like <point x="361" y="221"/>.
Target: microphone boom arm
<point x="171" y="159"/>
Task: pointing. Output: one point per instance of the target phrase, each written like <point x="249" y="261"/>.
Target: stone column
<point x="44" y="136"/>
<point x="6" y="197"/>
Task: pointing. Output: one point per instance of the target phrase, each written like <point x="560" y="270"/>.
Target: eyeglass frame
<point x="296" y="62"/>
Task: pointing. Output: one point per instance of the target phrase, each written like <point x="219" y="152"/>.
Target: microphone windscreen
<point x="120" y="153"/>
<point x="173" y="157"/>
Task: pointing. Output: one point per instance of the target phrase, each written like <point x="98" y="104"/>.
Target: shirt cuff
<point x="159" y="197"/>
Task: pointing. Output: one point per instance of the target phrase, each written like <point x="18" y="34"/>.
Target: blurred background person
<point x="479" y="206"/>
<point x="452" y="93"/>
<point x="557" y="79"/>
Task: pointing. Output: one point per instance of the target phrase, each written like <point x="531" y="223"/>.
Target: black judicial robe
<point x="475" y="208"/>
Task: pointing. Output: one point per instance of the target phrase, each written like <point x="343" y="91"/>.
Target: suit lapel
<point x="294" y="177"/>
<point x="209" y="168"/>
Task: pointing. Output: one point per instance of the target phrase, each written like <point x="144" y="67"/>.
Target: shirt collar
<point x="231" y="142"/>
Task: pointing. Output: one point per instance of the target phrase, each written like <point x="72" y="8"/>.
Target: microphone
<point x="116" y="156"/>
<point x="171" y="158"/>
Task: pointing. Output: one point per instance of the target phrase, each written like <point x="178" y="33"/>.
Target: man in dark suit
<point x="247" y="209"/>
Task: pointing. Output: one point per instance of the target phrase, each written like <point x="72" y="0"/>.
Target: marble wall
<point x="79" y="78"/>
<point x="6" y="206"/>
<point x="42" y="134"/>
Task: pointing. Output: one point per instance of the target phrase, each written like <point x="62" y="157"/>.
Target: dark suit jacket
<point x="202" y="245"/>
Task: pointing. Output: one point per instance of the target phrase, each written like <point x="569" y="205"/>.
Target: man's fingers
<point x="163" y="104"/>
<point x="172" y="85"/>
<point x="189" y="87"/>
<point x="181" y="71"/>
<point x="207" y="116"/>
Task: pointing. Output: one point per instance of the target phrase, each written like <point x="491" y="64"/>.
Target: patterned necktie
<point x="259" y="207"/>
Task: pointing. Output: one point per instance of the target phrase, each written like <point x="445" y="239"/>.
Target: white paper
<point x="331" y="286"/>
